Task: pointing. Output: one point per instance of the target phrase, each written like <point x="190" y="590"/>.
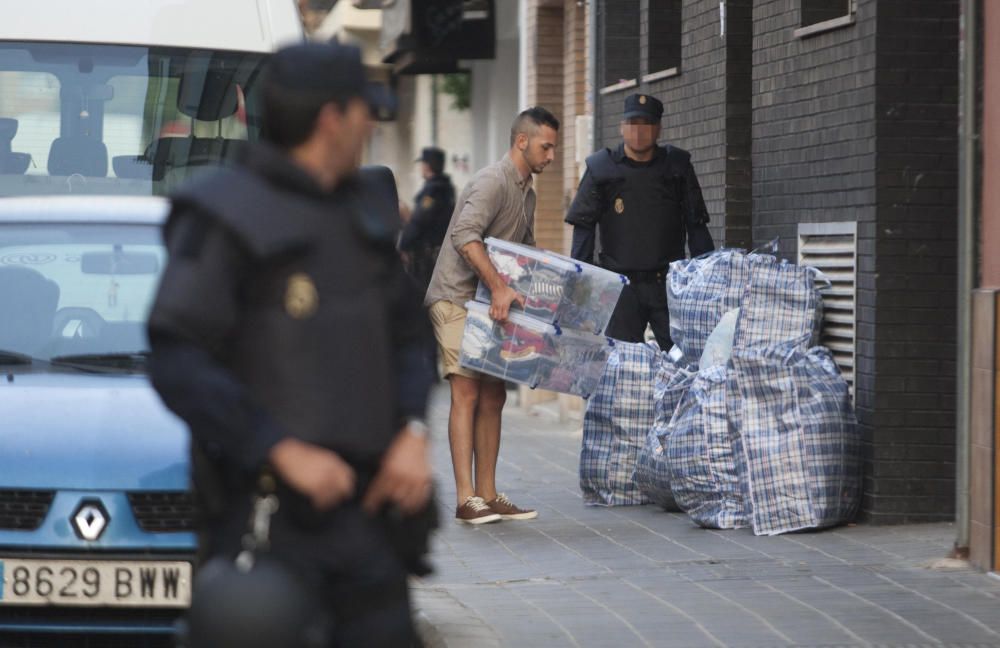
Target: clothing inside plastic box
<point x="557" y="289"/>
<point x="533" y="353"/>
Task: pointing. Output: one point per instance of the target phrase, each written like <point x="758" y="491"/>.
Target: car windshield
<point x="77" y="289"/>
<point x="111" y="119"/>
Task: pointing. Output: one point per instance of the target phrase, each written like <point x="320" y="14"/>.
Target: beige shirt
<point x="497" y="203"/>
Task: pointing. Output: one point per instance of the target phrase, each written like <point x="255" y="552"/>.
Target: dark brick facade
<point x="912" y="415"/>
<point x="857" y="123"/>
<point x="702" y="112"/>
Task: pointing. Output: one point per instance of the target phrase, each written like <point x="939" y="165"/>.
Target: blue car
<point x="97" y="537"/>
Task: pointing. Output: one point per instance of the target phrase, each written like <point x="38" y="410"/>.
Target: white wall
<point x="495" y="90"/>
<point x="478" y="135"/>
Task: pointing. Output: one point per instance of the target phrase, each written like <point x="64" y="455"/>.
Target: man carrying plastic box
<point x="499" y="201"/>
<point x="645" y="201"/>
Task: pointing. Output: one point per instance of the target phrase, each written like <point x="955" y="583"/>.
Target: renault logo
<point x="90" y="520"/>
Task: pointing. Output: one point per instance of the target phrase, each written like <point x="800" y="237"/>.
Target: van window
<point x="34" y="97"/>
<point x="110" y="119"/>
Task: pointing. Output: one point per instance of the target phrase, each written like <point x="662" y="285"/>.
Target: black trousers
<point x="348" y="560"/>
<point x="641" y="303"/>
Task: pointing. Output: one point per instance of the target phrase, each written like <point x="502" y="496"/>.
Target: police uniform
<point x="643" y="213"/>
<point x="272" y="282"/>
<point x="432" y="208"/>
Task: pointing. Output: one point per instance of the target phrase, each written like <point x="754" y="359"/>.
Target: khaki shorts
<point x="449" y="326"/>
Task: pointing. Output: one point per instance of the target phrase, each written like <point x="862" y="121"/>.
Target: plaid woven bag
<point x="781" y="311"/>
<point x="800" y="441"/>
<point x="652" y="470"/>
<point x="618" y="418"/>
<point x="699" y="292"/>
<point x="702" y="444"/>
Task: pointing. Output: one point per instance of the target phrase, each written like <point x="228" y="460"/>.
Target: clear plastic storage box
<point x="533" y="353"/>
<point x="557" y="289"/>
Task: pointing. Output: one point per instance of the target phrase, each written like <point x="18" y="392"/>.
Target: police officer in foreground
<point x="644" y="202"/>
<point x="428" y="221"/>
<point x="278" y="269"/>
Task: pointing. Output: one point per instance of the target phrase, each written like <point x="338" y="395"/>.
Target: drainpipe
<point x="592" y="71"/>
<point x="966" y="265"/>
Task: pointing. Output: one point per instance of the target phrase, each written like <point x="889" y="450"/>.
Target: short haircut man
<point x="499" y="202"/>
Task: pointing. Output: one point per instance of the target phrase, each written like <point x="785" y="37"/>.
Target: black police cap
<point x="644" y="106"/>
<point x="326" y="70"/>
<point x="432" y="155"/>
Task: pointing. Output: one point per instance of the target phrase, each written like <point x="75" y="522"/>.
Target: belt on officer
<point x="646" y="276"/>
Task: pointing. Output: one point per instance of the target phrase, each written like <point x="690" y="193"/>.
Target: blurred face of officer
<point x="640" y="134"/>
<point x="538" y="149"/>
<point x="344" y="132"/>
<point x="425" y="171"/>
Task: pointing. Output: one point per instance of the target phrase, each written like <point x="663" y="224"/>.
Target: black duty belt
<point x="646" y="276"/>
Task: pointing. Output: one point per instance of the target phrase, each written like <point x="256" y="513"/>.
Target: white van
<point x="127" y="96"/>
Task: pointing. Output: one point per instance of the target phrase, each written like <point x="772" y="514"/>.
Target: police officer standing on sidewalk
<point x="428" y="221"/>
<point x="644" y="202"/>
<point x="289" y="339"/>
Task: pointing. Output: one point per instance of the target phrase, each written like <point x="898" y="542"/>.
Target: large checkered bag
<point x="618" y="417"/>
<point x="782" y="310"/>
<point x="702" y="445"/>
<point x="699" y="292"/>
<point x="800" y="440"/>
<point x="652" y="470"/>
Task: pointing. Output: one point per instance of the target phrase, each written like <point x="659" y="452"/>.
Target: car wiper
<point x="104" y="361"/>
<point x="14" y="358"/>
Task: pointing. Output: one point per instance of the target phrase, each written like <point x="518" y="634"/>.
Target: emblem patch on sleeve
<point x="619" y="206"/>
<point x="301" y="297"/>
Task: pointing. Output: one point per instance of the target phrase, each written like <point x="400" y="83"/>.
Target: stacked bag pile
<point x="553" y="343"/>
<point x="746" y="423"/>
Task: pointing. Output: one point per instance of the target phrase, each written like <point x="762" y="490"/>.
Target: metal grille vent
<point x="24" y="510"/>
<point x="832" y="248"/>
<point x="163" y="512"/>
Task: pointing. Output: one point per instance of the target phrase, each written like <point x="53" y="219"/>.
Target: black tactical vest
<point x="642" y="224"/>
<point x="314" y="346"/>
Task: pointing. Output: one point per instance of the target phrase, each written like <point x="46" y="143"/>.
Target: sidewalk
<point x="637" y="576"/>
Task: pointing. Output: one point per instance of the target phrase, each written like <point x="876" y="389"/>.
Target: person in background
<point x="425" y="225"/>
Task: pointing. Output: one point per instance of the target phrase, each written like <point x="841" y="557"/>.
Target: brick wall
<point x="913" y="414"/>
<point x="737" y="223"/>
<point x="694" y="101"/>
<point x="858" y="124"/>
<point x="544" y="33"/>
<point x="813" y="124"/>
<point x="574" y="101"/>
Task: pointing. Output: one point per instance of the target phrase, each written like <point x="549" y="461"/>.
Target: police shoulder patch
<point x="426" y="202"/>
<point x="619" y="206"/>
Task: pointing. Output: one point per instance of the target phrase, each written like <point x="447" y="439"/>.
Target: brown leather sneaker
<point x="475" y="511"/>
<point x="508" y="511"/>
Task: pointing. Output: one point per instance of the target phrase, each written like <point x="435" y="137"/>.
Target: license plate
<point x="96" y="583"/>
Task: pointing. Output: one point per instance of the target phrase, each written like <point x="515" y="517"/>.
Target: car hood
<point x="73" y="430"/>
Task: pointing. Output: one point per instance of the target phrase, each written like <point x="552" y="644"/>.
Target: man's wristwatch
<point x="417" y="427"/>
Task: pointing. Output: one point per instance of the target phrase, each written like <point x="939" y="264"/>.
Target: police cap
<point x="644" y="106"/>
<point x="330" y="71"/>
<point x="433" y="156"/>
